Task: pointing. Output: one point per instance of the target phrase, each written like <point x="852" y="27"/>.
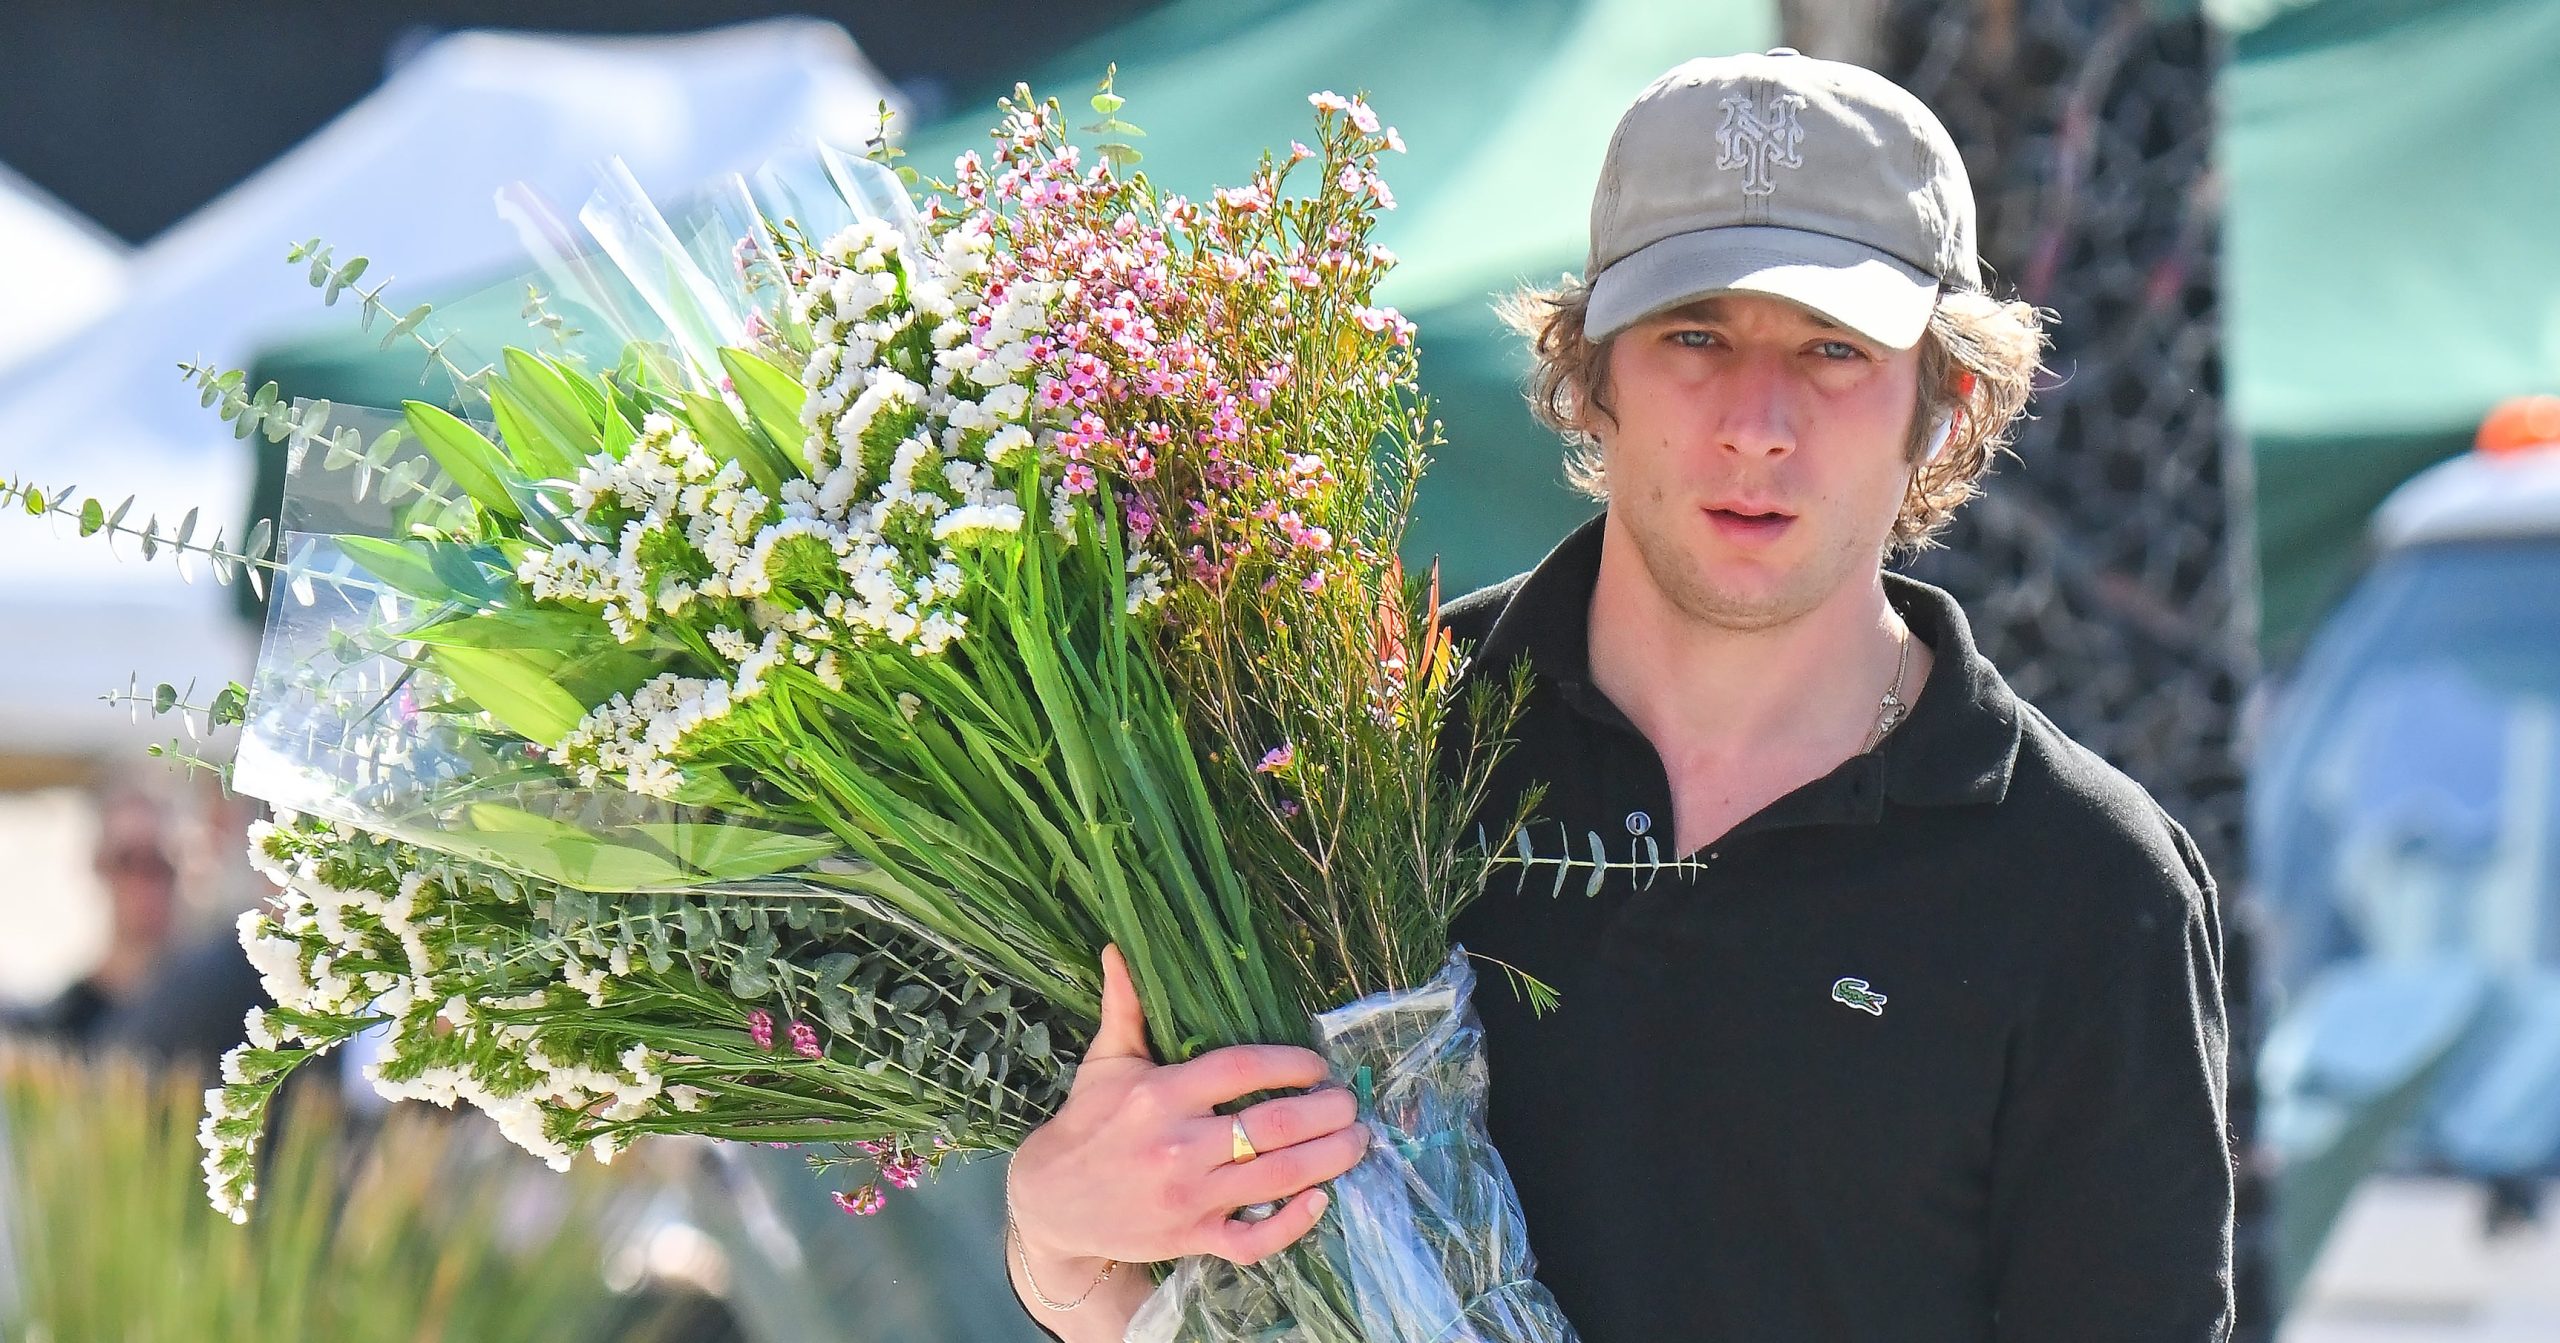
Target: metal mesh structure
<point x="2109" y="569"/>
<point x="2105" y="568"/>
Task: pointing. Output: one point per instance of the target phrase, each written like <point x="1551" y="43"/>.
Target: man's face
<point x="1756" y="455"/>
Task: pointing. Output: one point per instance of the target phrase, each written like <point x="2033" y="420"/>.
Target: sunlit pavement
<point x="2409" y="1263"/>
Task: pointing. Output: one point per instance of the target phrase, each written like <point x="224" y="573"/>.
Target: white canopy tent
<point x="406" y="177"/>
<point x="58" y="271"/>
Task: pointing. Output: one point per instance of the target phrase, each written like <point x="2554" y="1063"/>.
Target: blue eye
<point x="1840" y="350"/>
<point x="1693" y="338"/>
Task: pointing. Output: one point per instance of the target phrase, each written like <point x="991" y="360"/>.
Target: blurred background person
<point x="137" y="867"/>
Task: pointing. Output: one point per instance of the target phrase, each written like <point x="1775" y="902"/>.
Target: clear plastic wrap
<point x="1424" y="1242"/>
<point x="349" y="719"/>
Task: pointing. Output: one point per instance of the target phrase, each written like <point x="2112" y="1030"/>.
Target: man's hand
<point x="1138" y="1166"/>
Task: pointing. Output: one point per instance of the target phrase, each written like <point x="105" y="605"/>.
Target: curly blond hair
<point x="1999" y="341"/>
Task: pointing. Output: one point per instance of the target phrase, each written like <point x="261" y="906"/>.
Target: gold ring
<point x="1243" y="1145"/>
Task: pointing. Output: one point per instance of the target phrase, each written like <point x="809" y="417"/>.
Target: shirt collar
<point x="1959" y="746"/>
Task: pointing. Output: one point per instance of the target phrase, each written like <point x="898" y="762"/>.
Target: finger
<point x="1222" y="1075"/>
<point x="1291" y="1120"/>
<point x="1250" y="1242"/>
<point x="1123" y="1034"/>
<point x="1285" y="1172"/>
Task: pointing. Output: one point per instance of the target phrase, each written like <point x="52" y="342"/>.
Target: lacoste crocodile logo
<point x="1856" y="994"/>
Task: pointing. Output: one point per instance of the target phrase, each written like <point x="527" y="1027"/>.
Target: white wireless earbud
<point x="1938" y="437"/>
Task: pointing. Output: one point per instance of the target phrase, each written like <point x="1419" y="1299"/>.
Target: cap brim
<point x="1871" y="293"/>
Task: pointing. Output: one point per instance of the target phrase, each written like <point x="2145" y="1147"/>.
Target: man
<point x="1897" y="1015"/>
<point x="140" y="880"/>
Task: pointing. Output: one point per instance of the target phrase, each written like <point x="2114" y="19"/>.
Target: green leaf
<point x="339" y="279"/>
<point x="408" y="322"/>
<point x="93" y="516"/>
<point x="474" y="462"/>
<point x="728" y="441"/>
<point x="773" y="397"/>
<point x="524" y="700"/>
<point x="542" y="454"/>
<point x="549" y="396"/>
<point x="403" y="477"/>
<point x="500" y="818"/>
<point x="432" y="571"/>
<point x="736" y="852"/>
<point x="543" y="627"/>
<point x="575" y="859"/>
<point x="1107" y="103"/>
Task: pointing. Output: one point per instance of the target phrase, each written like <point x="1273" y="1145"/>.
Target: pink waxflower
<point x="1299" y="153"/>
<point x="862" y="1202"/>
<point x="1394" y="141"/>
<point x="1329" y="101"/>
<point x="1363" y="118"/>
<point x="1244" y="200"/>
<point x="1276" y="759"/>
<point x="804" y="1040"/>
<point x="760" y="1028"/>
<point x="1288" y="807"/>
<point x="904" y="1172"/>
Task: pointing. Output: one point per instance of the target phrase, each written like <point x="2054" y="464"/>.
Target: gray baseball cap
<point x="1810" y="180"/>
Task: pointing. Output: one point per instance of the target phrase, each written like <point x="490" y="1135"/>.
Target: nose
<point x="1757" y="407"/>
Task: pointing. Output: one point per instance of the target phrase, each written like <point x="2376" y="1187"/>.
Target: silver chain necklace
<point x="1891" y="710"/>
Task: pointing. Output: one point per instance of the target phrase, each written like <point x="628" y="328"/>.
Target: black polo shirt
<point x="1930" y="1049"/>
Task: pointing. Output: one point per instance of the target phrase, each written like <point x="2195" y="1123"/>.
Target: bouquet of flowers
<point x="762" y="736"/>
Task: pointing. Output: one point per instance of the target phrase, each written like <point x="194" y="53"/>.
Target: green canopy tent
<point x="1506" y="105"/>
<point x="2393" y="169"/>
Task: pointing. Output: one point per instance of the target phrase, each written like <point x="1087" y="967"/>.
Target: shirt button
<point x="1638" y="823"/>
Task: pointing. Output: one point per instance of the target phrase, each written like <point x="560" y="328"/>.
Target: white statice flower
<point x="1009" y="445"/>
<point x="1147" y="584"/>
<point x="587" y="979"/>
<point x="277" y="959"/>
<point x="665" y="488"/>
<point x="635" y="735"/>
<point x="919" y="419"/>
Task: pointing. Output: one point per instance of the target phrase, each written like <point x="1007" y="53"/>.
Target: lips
<point x="1749" y="524"/>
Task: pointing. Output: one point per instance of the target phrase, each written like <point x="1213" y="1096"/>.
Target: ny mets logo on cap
<point x="1760" y="137"/>
<point x="1856" y="994"/>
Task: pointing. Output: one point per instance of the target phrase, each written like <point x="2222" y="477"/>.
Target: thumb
<point x="1124" y="1022"/>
